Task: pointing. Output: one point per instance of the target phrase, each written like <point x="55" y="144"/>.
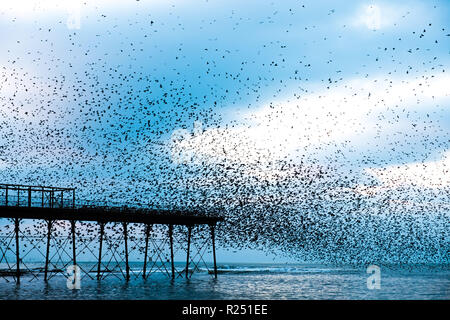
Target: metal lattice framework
<point x="43" y="230"/>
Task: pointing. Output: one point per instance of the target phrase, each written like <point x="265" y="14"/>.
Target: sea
<point x="240" y="281"/>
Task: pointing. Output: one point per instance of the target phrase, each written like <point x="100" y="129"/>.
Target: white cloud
<point x="3" y="163"/>
<point x="381" y="15"/>
<point x="345" y="113"/>
<point x="17" y="92"/>
<point x="371" y="17"/>
<point x="31" y="8"/>
<point x="71" y="10"/>
<point x="431" y="174"/>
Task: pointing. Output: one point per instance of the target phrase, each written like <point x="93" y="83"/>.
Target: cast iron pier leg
<point x="147" y="235"/>
<point x="17" y="250"/>
<point x="102" y="230"/>
<point x="29" y="197"/>
<point x="73" y="243"/>
<point x="171" y="249"/>
<point x="214" y="249"/>
<point x="188" y="249"/>
<point x="47" y="253"/>
<point x="127" y="267"/>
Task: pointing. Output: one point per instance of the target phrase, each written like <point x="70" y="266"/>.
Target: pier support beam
<point x="102" y="230"/>
<point x="188" y="250"/>
<point x="147" y="235"/>
<point x="127" y="267"/>
<point x="171" y="250"/>
<point x="29" y="197"/>
<point x="47" y="252"/>
<point x="214" y="248"/>
<point x="74" y="253"/>
<point x="16" y="229"/>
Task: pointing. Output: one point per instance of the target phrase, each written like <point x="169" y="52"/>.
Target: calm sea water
<point x="247" y="281"/>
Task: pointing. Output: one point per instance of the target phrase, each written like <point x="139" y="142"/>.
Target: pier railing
<point x="36" y="196"/>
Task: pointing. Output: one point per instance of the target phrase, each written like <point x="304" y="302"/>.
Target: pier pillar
<point x="147" y="235"/>
<point x="16" y="229"/>
<point x="29" y="197"/>
<point x="127" y="267"/>
<point x="188" y="250"/>
<point x="214" y="248"/>
<point x="74" y="255"/>
<point x="102" y="230"/>
<point x="47" y="253"/>
<point x="171" y="250"/>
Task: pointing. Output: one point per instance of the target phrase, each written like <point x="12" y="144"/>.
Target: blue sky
<point x="90" y="89"/>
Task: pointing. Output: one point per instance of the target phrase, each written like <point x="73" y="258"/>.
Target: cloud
<point x="371" y="17"/>
<point x="381" y="15"/>
<point x="18" y="91"/>
<point x="431" y="174"/>
<point x="31" y="8"/>
<point x="348" y="113"/>
<point x="3" y="163"/>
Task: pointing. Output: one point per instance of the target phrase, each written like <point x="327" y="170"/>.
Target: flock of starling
<point x="106" y="124"/>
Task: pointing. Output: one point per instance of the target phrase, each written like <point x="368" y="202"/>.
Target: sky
<point x="92" y="93"/>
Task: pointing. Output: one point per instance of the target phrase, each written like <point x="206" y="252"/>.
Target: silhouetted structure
<point x="53" y="204"/>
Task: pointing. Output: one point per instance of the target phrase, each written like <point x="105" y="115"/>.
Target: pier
<point x="43" y="230"/>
